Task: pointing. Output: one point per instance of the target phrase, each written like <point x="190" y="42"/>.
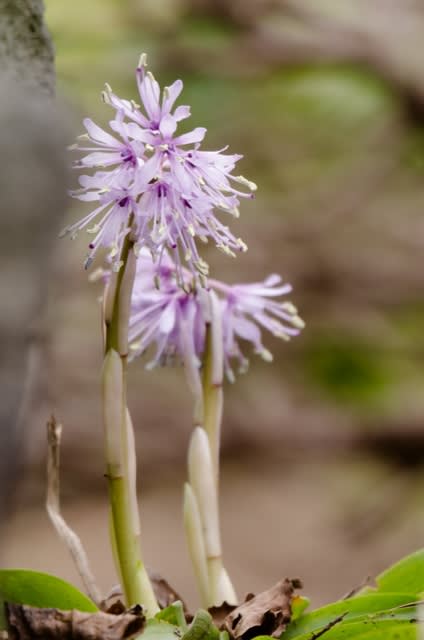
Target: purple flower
<point x="168" y="316"/>
<point x="110" y="220"/>
<point x="108" y="150"/>
<point x="156" y="110"/>
<point x="173" y="318"/>
<point x="171" y="189"/>
<point x="246" y="308"/>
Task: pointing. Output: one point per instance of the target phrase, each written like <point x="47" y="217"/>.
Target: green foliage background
<point x="311" y="133"/>
<point x="327" y="441"/>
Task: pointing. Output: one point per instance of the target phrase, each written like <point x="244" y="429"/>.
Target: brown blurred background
<point x="323" y="449"/>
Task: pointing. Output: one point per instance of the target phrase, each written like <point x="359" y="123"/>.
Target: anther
<point x="64" y="232"/>
<point x="266" y="355"/>
<point x="247" y="183"/>
<point x="94" y="229"/>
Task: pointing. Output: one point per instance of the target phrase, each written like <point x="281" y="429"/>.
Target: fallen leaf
<point x="268" y="613"/>
<point x="116" y="608"/>
<point x="221" y="612"/>
<point x="164" y="593"/>
<point x="31" y="623"/>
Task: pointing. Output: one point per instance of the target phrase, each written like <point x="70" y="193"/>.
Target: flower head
<point x="174" y="318"/>
<point x="248" y="308"/>
<point x="157" y="185"/>
<point x="168" y="316"/>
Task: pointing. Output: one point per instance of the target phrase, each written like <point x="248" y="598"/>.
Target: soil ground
<point x="330" y="524"/>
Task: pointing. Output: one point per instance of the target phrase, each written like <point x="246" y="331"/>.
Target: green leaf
<point x="160" y="630"/>
<point x="202" y="627"/>
<point x="406" y="576"/>
<point x="403" y="631"/>
<point x="36" y="589"/>
<point x="376" y="607"/>
<point x="298" y="606"/>
<point x="174" y="614"/>
<point x="368" y="629"/>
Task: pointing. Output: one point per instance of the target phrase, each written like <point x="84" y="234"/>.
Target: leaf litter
<point x="267" y="613"/>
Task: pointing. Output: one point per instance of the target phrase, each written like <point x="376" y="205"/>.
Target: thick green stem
<point x="120" y="459"/>
<point x="118" y="300"/>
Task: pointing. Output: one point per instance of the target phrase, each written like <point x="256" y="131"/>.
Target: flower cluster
<point x="173" y="318"/>
<point x="164" y="191"/>
<point x="158" y="186"/>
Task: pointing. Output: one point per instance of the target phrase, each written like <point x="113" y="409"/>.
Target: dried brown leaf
<point x="220" y="613"/>
<point x="116" y="608"/>
<point x="31" y="623"/>
<point x="268" y="613"/>
<point x="165" y="594"/>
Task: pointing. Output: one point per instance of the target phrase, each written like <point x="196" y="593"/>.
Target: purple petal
<point x="272" y="280"/>
<point x="97" y="134"/>
<point x="196" y="135"/>
<point x="87" y="197"/>
<point x="101" y="158"/>
<point x="148" y="171"/>
<point x="247" y="330"/>
<point x="167" y="126"/>
<point x="133" y="130"/>
<point x="149" y="93"/>
<point x="184" y="180"/>
<point x="167" y="320"/>
<point x="171" y="94"/>
<point x="181" y="113"/>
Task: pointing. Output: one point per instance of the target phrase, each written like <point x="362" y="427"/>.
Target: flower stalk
<point x="202" y="482"/>
<point x="196" y="543"/>
<point x="212" y="382"/>
<point x="119" y="439"/>
<point x="201" y="504"/>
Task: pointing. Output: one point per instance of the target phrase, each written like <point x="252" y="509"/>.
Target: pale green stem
<point x="212" y="381"/>
<point x="213" y="402"/>
<point x="203" y="465"/>
<point x="202" y="481"/>
<point x="226" y="588"/>
<point x="196" y="543"/>
<point x="120" y="457"/>
<point x="143" y="580"/>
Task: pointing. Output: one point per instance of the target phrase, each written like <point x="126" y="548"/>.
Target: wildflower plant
<point x="157" y="194"/>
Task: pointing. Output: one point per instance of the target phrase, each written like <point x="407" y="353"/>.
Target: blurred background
<point x="323" y="449"/>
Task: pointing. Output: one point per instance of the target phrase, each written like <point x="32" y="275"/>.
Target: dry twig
<point x="69" y="537"/>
